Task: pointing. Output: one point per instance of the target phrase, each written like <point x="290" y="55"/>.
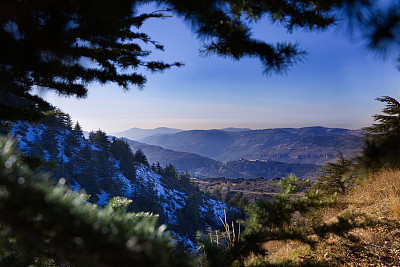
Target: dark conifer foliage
<point x="82" y="234"/>
<point x="121" y="152"/>
<point x="388" y="124"/>
<point x="141" y="157"/>
<point x="382" y="145"/>
<point x="78" y="129"/>
<point x="100" y="139"/>
<point x="337" y="176"/>
<point x="65" y="45"/>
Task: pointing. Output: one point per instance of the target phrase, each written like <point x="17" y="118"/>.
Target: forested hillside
<point x="107" y="168"/>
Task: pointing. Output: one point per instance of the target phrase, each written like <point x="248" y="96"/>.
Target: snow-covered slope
<point x="95" y="169"/>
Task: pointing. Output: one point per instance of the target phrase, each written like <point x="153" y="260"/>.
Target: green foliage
<point x="279" y="219"/>
<point x="118" y="204"/>
<point x="141" y="157"/>
<point x="388" y="123"/>
<point x="99" y="139"/>
<point x="67" y="45"/>
<point x="338" y="176"/>
<point x="122" y="152"/>
<point x="239" y="201"/>
<point x="78" y="129"/>
<point x="382" y="145"/>
<point x="57" y="223"/>
<point x="173" y="178"/>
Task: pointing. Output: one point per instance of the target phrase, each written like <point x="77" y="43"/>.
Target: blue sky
<point x="334" y="87"/>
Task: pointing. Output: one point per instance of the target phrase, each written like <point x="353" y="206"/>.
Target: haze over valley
<point x="245" y="153"/>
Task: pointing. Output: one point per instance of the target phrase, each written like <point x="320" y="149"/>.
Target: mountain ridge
<point x="203" y="167"/>
<point x="139" y="133"/>
<point x="308" y="145"/>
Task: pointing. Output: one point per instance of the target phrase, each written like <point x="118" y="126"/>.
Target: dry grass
<point x="377" y="197"/>
<point x="286" y="251"/>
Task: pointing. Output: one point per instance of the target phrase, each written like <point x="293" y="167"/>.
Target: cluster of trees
<point x="171" y="175"/>
<point x="222" y="194"/>
<point x="380" y="151"/>
<point x="96" y="163"/>
<point x="47" y="225"/>
<point x="92" y="164"/>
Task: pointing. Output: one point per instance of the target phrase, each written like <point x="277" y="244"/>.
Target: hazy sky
<point x="335" y="86"/>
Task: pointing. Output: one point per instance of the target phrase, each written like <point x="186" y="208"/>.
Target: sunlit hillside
<point x="377" y="198"/>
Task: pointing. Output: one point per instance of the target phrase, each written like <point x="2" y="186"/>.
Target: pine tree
<point x="382" y="145"/>
<point x="78" y="129"/>
<point x="337" y="178"/>
<point x="123" y="153"/>
<point x="388" y="123"/>
<point x="46" y="42"/>
<point x="43" y="223"/>
<point x="141" y="157"/>
<point x="100" y="139"/>
<point x="159" y="169"/>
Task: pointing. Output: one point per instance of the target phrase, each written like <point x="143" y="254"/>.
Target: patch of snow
<point x="219" y="209"/>
<point x="186" y="242"/>
<point x="61" y="139"/>
<point x="95" y="148"/>
<point x="46" y="155"/>
<point x="152" y="177"/>
<point x="103" y="198"/>
<point x="75" y="186"/>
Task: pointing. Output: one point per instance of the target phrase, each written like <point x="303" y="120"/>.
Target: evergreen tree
<point x="78" y="129"/>
<point x="382" y="145"/>
<point x="41" y="223"/>
<point x="388" y="123"/>
<point x="100" y="139"/>
<point x="141" y="157"/>
<point x="46" y="42"/>
<point x="189" y="220"/>
<point x="63" y="119"/>
<point x="159" y="169"/>
<point x="49" y="143"/>
<point x="337" y="178"/>
<point x="153" y="167"/>
<point x="123" y="153"/>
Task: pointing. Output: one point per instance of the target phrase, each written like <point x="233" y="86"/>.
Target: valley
<point x="244" y="153"/>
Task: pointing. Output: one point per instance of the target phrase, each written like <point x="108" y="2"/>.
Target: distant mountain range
<point x="138" y="133"/>
<point x="245" y="153"/>
<point x="203" y="167"/>
<point x="309" y="145"/>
